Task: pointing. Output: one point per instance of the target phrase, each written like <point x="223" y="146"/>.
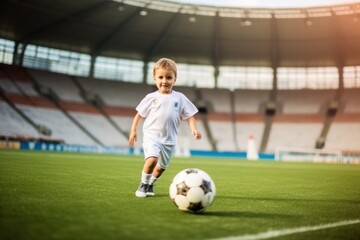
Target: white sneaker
<point x="141" y="191"/>
<point x="150" y="190"/>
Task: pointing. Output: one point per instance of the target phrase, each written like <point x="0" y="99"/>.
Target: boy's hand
<point x="132" y="138"/>
<point x="196" y="134"/>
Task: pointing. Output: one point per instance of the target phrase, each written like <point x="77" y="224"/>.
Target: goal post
<point x="182" y="147"/>
<point x="298" y="154"/>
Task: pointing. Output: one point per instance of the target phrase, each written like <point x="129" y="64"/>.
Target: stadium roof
<point x="266" y="3"/>
<point x="199" y="34"/>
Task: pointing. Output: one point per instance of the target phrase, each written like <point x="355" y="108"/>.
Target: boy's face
<point x="164" y="80"/>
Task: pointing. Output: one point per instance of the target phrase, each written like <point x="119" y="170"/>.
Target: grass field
<point x="88" y="196"/>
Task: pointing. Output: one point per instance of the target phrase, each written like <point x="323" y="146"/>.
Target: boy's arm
<point x="192" y="123"/>
<point x="133" y="131"/>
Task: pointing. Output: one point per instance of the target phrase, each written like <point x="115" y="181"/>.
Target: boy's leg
<point x="163" y="162"/>
<point x="154" y="177"/>
<point x="146" y="174"/>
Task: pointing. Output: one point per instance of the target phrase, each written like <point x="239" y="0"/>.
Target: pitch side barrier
<point x="38" y="146"/>
<point x="230" y="154"/>
<point x="62" y="147"/>
<point x="54" y="147"/>
<point x="281" y="154"/>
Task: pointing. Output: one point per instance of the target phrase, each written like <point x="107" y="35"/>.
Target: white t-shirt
<point x="163" y="113"/>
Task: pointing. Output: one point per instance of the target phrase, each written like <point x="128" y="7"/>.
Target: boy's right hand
<point x="132" y="138"/>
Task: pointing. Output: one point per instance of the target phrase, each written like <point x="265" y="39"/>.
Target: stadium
<point x="278" y="94"/>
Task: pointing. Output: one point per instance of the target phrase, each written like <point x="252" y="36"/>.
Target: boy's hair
<point x="165" y="63"/>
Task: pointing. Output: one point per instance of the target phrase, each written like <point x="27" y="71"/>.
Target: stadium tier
<point x="351" y="100"/>
<point x="12" y="123"/>
<point x="89" y="111"/>
<point x="64" y="85"/>
<point x="251" y="101"/>
<point x="305" y="101"/>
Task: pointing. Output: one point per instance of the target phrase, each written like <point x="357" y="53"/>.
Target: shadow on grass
<point x="291" y="199"/>
<point x="240" y="214"/>
<point x="272" y="199"/>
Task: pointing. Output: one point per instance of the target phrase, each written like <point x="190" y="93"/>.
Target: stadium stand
<point x="21" y="81"/>
<point x="9" y="86"/>
<point x="225" y="127"/>
<point x="344" y="132"/>
<point x="115" y="93"/>
<point x="184" y="132"/>
<point x="295" y="131"/>
<point x="218" y="99"/>
<point x="305" y="101"/>
<point x="249" y="125"/>
<point x="251" y="101"/>
<point x="12" y="123"/>
<point x="61" y="127"/>
<point x="351" y="98"/>
<point x="100" y="127"/>
<point x="61" y="83"/>
<point x="223" y="135"/>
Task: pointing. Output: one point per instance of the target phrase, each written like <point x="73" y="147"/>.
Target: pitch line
<point x="288" y="231"/>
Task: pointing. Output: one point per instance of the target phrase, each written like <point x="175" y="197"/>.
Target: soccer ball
<point x="192" y="190"/>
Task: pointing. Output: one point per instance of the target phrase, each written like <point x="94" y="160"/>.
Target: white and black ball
<point x="192" y="190"/>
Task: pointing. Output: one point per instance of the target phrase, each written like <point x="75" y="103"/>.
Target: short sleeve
<point x="143" y="108"/>
<point x="189" y="109"/>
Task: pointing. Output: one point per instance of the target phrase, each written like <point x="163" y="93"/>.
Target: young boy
<point x="162" y="110"/>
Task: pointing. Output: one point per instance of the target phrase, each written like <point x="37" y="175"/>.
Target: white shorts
<point x="162" y="151"/>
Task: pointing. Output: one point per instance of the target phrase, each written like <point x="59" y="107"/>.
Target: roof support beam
<point x="158" y="43"/>
<point x="338" y="52"/>
<point x="160" y="40"/>
<point x="216" y="47"/>
<point x="105" y="40"/>
<point x="274" y="51"/>
<point x="118" y="29"/>
<point x="63" y="20"/>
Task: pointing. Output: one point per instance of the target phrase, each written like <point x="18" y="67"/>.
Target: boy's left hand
<point x="196" y="134"/>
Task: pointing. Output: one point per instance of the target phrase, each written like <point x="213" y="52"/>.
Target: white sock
<point x="153" y="180"/>
<point x="145" y="178"/>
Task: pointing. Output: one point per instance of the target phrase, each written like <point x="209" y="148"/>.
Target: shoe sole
<point x="150" y="194"/>
<point x="140" y="194"/>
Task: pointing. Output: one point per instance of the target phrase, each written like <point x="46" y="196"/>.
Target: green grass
<point x="88" y="196"/>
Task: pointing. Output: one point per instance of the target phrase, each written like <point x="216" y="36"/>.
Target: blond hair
<point x="165" y="63"/>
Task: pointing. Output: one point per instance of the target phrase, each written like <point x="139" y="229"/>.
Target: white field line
<point x="288" y="231"/>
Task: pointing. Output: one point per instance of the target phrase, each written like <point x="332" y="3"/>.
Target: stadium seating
<point x="294" y="134"/>
<point x="351" y="98"/>
<point x="185" y="133"/>
<point x="223" y="135"/>
<point x="62" y="84"/>
<point x="101" y="128"/>
<point x="13" y="124"/>
<point x="344" y="132"/>
<point x="9" y="86"/>
<point x="251" y="101"/>
<point x="21" y="82"/>
<point x="115" y="93"/>
<point x="305" y="101"/>
<point x="219" y="99"/>
<point x="60" y="125"/>
<point x="249" y="125"/>
<point x="298" y="121"/>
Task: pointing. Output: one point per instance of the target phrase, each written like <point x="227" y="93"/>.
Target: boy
<point x="162" y="110"/>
